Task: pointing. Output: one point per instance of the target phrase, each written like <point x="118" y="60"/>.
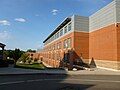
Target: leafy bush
<point x="35" y="59"/>
<point x="24" y="57"/>
<point x="29" y="61"/>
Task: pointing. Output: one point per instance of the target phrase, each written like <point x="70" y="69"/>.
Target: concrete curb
<point x="14" y="74"/>
<point x="68" y="74"/>
<point x="59" y="74"/>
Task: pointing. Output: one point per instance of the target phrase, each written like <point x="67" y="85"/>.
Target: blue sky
<point x="25" y="24"/>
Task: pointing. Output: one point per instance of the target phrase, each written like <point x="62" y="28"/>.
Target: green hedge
<point x="31" y="66"/>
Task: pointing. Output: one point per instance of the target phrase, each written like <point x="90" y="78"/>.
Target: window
<point x="65" y="30"/>
<point x="65" y="43"/>
<point x="58" y="35"/>
<point x="54" y="46"/>
<point x="69" y="42"/>
<point x="52" y="38"/>
<point x="57" y="56"/>
<point x="53" y="56"/>
<point x="55" y="35"/>
<point x="60" y="45"/>
<point x="57" y="45"/>
<point x="61" y="32"/>
<point x="69" y="26"/>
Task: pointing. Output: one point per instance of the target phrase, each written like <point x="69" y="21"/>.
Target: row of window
<point x="57" y="56"/>
<point x="54" y="47"/>
<point x="58" y="34"/>
<point x="53" y="56"/>
<point x="67" y="44"/>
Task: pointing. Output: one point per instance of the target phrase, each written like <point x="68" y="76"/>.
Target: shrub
<point x="29" y="61"/>
<point x="36" y="59"/>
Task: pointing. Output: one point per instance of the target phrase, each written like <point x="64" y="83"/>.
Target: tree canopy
<point x="30" y="50"/>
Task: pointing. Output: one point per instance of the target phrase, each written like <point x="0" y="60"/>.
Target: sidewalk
<point x="16" y="71"/>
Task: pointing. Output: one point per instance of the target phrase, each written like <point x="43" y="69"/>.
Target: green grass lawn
<point x="31" y="66"/>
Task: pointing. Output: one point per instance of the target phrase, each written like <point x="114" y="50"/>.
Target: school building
<point x="94" y="39"/>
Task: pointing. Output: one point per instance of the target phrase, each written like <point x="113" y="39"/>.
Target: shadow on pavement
<point x="42" y="82"/>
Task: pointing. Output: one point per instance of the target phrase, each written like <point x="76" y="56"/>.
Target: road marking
<point x="84" y="80"/>
<point x="5" y="83"/>
<point x="74" y="80"/>
<point x="96" y="80"/>
<point x="36" y="80"/>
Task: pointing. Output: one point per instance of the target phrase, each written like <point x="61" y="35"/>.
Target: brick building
<point x="94" y="39"/>
<point x="35" y="55"/>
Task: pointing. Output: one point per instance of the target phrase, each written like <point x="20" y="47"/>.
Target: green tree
<point x="17" y="54"/>
<point x="9" y="53"/>
<point x="30" y="50"/>
<point x="24" y="57"/>
<point x="35" y="59"/>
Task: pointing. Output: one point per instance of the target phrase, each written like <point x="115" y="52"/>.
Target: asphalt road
<point x="60" y="82"/>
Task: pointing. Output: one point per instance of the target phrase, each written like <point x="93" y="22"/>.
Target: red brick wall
<point x="35" y="55"/>
<point x="118" y="41"/>
<point x="103" y="43"/>
<point x="54" y="62"/>
<point x="81" y="44"/>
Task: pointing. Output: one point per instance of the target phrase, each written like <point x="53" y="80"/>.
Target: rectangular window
<point x="55" y="35"/>
<point x="61" y="32"/>
<point x="69" y="42"/>
<point x="57" y="45"/>
<point x="53" y="56"/>
<point x="65" y="43"/>
<point x="69" y="26"/>
<point x="58" y="35"/>
<point x="57" y="56"/>
<point x="65" y="30"/>
<point x="54" y="46"/>
<point x="60" y="45"/>
<point x="52" y="38"/>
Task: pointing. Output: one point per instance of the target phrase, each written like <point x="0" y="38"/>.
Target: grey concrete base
<point x="93" y="71"/>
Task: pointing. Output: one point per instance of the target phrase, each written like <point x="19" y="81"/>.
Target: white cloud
<point x="4" y="22"/>
<point x="4" y="36"/>
<point x="20" y="19"/>
<point x="54" y="11"/>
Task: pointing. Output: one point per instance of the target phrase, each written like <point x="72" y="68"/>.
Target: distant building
<point x="94" y="39"/>
<point x="35" y="56"/>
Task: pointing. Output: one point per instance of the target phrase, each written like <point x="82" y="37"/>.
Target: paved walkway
<point x="13" y="71"/>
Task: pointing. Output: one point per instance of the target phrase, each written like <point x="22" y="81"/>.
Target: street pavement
<point x="60" y="82"/>
<point x="58" y="79"/>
